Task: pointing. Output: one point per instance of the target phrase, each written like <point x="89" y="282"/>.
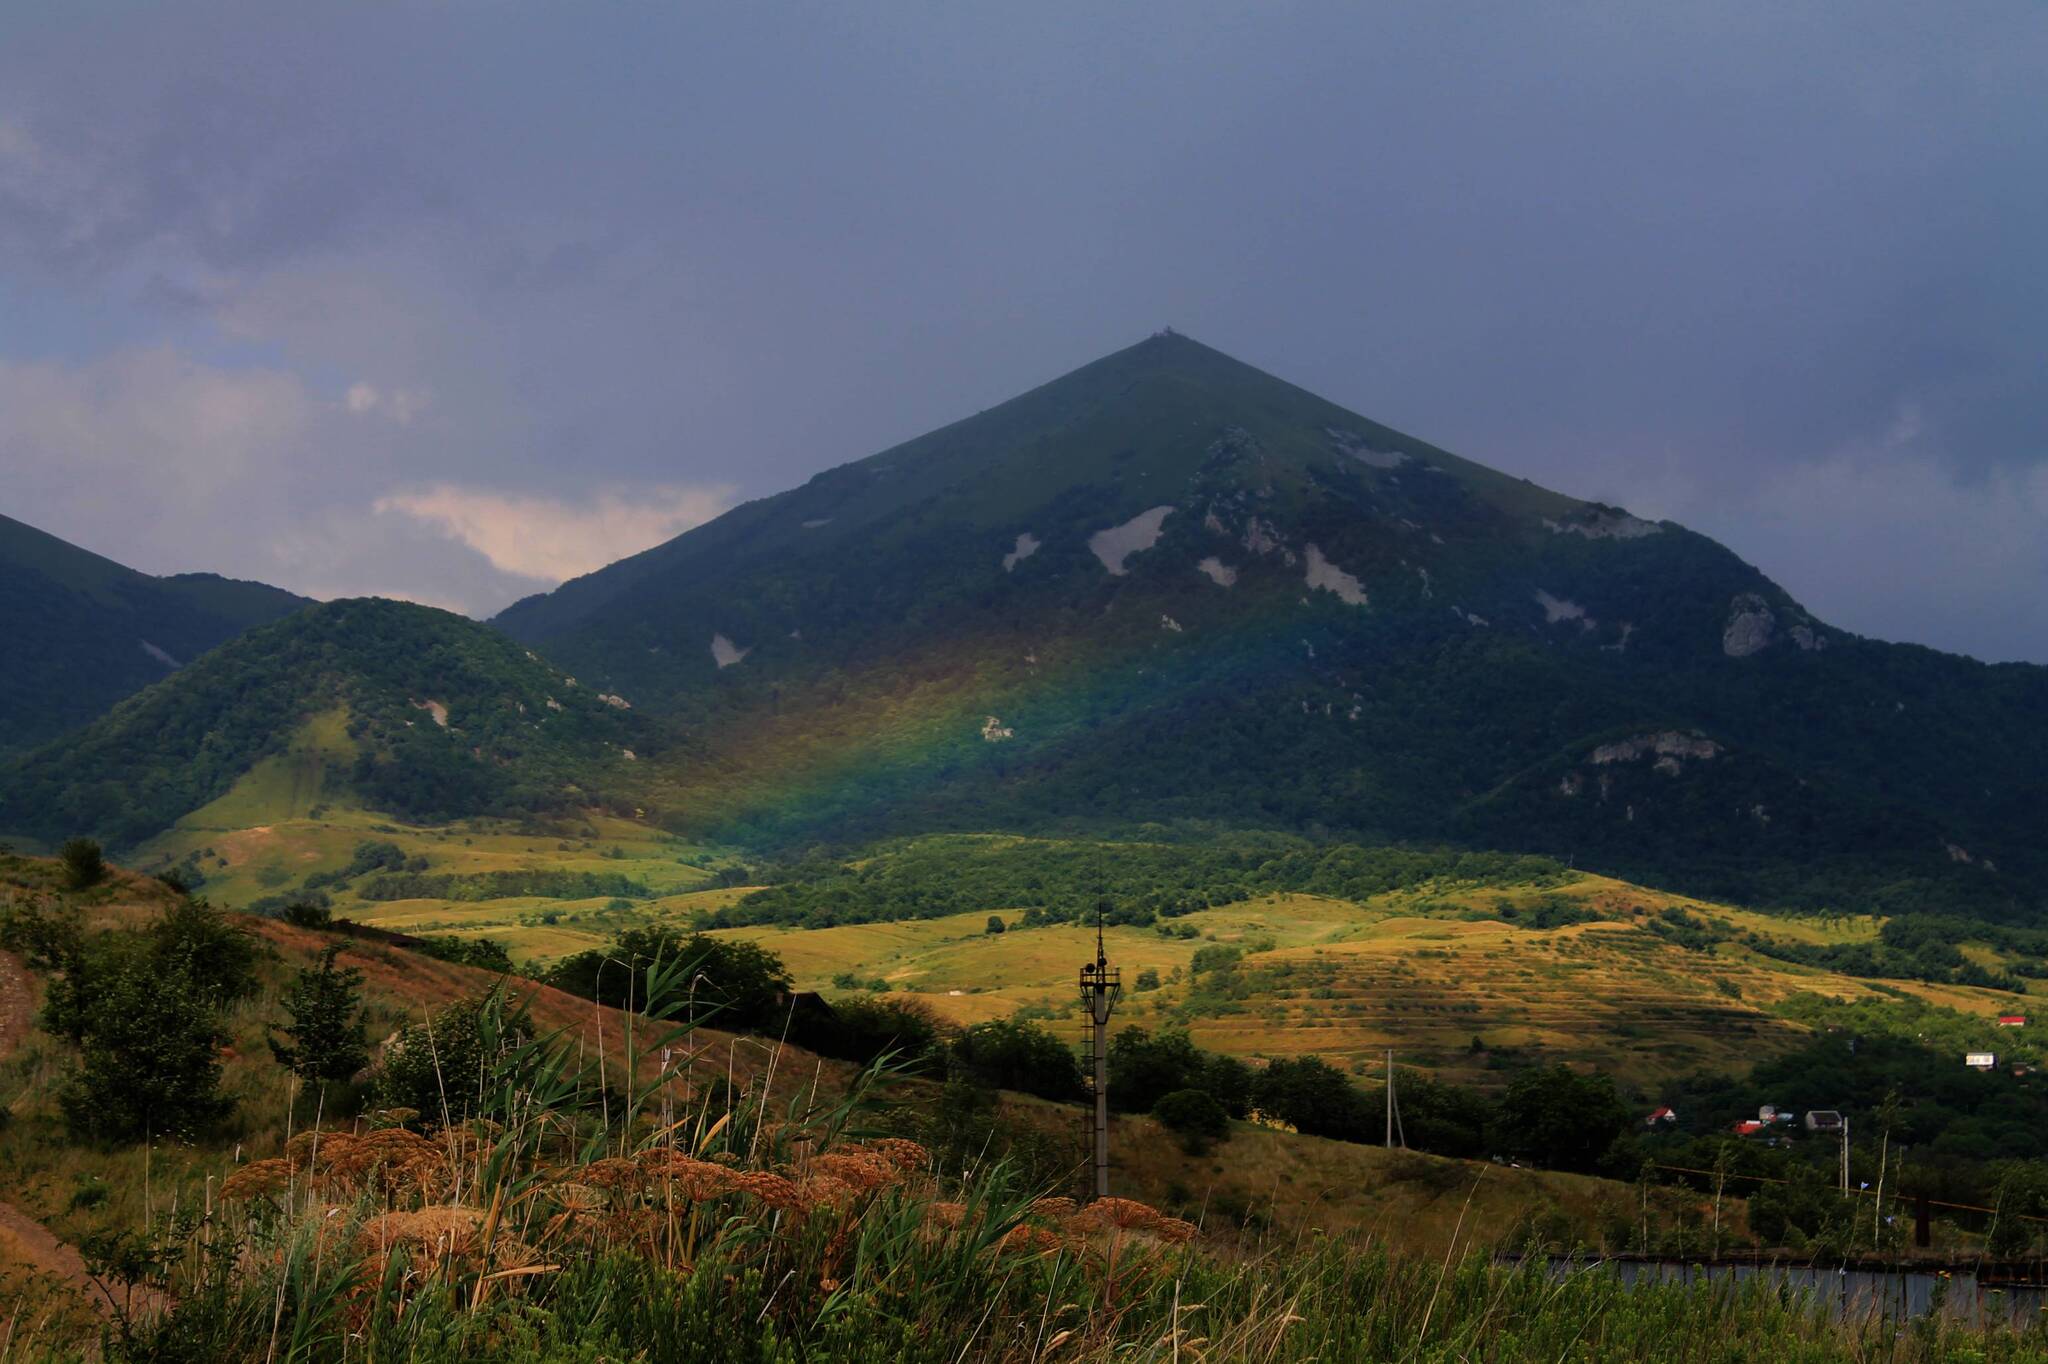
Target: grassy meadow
<point x="1456" y="978"/>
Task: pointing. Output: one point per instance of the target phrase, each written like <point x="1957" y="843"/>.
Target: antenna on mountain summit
<point x="1101" y="988"/>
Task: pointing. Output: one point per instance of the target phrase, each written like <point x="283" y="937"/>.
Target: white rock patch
<point x="821" y="521"/>
<point x="158" y="654"/>
<point x="1750" y="626"/>
<point x="1218" y="572"/>
<point x="994" y="731"/>
<point x="1602" y="525"/>
<point x="1327" y="576"/>
<point x="435" y="709"/>
<point x="1354" y="445"/>
<point x="553" y="704"/>
<point x="1669" y="745"/>
<point x="1556" y="609"/>
<point x="1134" y="536"/>
<point x="1027" y="545"/>
<point x="1167" y="622"/>
<point x="629" y="755"/>
<point x="726" y="653"/>
<point x="615" y="702"/>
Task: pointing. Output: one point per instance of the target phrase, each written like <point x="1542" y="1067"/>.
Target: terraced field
<point x="1459" y="980"/>
<point x="1419" y="975"/>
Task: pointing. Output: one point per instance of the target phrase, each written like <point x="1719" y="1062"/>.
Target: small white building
<point x="1981" y="1060"/>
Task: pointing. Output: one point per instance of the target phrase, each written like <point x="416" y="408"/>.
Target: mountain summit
<point x="1164" y="590"/>
<point x="1170" y="586"/>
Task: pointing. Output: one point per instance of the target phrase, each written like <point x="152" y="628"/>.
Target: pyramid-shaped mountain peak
<point x="1170" y="587"/>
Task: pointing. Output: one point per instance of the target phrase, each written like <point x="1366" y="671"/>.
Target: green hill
<point x="406" y="709"/>
<point x="1170" y="587"/>
<point x="82" y="631"/>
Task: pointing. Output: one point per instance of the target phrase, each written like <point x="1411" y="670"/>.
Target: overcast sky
<point x="452" y="300"/>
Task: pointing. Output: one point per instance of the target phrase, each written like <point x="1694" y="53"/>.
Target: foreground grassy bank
<point x="653" y="1214"/>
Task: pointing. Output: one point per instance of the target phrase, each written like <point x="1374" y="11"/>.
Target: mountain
<point x="82" y="631"/>
<point x="1169" y="587"/>
<point x="401" y="708"/>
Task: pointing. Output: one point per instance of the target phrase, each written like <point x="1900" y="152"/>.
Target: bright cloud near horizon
<point x="550" y="540"/>
<point x="451" y="301"/>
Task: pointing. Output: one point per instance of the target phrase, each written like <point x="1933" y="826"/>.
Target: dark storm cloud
<point x="585" y="273"/>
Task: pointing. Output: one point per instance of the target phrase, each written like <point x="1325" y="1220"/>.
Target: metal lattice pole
<point x="1101" y="988"/>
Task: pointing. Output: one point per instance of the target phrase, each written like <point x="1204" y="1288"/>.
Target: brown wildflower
<point x="257" y="1179"/>
<point x="1025" y="1239"/>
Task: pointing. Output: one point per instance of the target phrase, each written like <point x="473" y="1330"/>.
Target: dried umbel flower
<point x="1119" y="1215"/>
<point x="677" y="1173"/>
<point x="258" y="1179"/>
<point x="905" y="1154"/>
<point x="946" y="1215"/>
<point x="774" y="1190"/>
<point x="1055" y="1209"/>
<point x="1025" y="1239"/>
<point x="441" y="1230"/>
<point x="614" y="1173"/>
<point x="859" y="1170"/>
<point x="815" y="1191"/>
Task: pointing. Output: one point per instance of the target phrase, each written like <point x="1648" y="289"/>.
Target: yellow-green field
<point x="1451" y="978"/>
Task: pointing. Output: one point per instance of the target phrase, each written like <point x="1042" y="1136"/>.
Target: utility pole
<point x="1845" y="1153"/>
<point x="1101" y="988"/>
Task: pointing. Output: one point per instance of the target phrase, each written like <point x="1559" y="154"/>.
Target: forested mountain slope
<point x="82" y="632"/>
<point x="1168" y="586"/>
<point x="418" y="712"/>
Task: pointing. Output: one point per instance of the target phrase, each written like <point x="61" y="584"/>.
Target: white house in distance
<point x="1981" y="1060"/>
<point x="2012" y="1020"/>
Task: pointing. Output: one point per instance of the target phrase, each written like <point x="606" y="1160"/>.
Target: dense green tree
<point x="1312" y="1095"/>
<point x="865" y="1028"/>
<point x="322" y="1038"/>
<point x="1561" y="1119"/>
<point x="1020" y="1055"/>
<point x="730" y="983"/>
<point x="218" y="954"/>
<point x="84" y="864"/>
<point x="149" y="1063"/>
<point x="441" y="1070"/>
<point x="1194" y="1116"/>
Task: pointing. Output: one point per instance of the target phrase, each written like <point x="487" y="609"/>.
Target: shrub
<point x="84" y="864"/>
<point x="440" y="1069"/>
<point x="1195" y="1117"/>
<point x="308" y="914"/>
<point x="995" y="924"/>
<point x="150" y="1055"/>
